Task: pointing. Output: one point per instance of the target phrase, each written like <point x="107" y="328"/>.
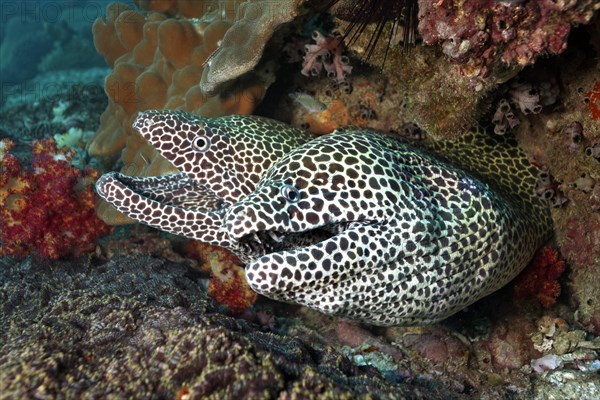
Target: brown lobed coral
<point x="157" y="64"/>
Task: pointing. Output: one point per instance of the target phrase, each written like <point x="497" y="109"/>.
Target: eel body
<point x="413" y="239"/>
<point x="354" y="223"/>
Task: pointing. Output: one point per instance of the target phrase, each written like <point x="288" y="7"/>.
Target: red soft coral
<point x="540" y="278"/>
<point x="49" y="209"/>
<point x="592" y="99"/>
<point x="228" y="285"/>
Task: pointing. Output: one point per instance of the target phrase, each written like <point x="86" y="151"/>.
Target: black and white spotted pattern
<point x="413" y="239"/>
<point x="221" y="160"/>
<point x="354" y="223"/>
<point x="226" y="154"/>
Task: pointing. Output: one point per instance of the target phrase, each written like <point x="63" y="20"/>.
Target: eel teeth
<point x="255" y="244"/>
<point x="275" y="237"/>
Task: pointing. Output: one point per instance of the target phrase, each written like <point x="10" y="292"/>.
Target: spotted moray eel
<point x="381" y="232"/>
<point x="220" y="159"/>
<point x="413" y="238"/>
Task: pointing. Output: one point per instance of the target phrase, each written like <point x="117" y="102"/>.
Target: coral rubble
<point x="142" y="327"/>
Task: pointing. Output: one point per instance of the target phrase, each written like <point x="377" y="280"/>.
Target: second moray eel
<point x="414" y="238"/>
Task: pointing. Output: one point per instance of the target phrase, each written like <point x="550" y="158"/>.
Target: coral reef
<point x="148" y="323"/>
<point x="157" y="63"/>
<point x="490" y="43"/>
<point x="141" y="327"/>
<point x="173" y="8"/>
<point x="242" y="46"/>
<point x="488" y="36"/>
<point x="424" y="90"/>
<point x="249" y="25"/>
<point x="49" y="209"/>
<point x="540" y="277"/>
<point x="558" y="139"/>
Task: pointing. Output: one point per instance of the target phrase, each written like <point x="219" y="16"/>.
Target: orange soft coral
<point x="228" y="285"/>
<point x="540" y="278"/>
<point x="49" y="209"/>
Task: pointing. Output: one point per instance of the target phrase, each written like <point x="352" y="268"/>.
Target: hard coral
<point x="487" y="35"/>
<point x="540" y="278"/>
<point x="243" y="44"/>
<point x="183" y="8"/>
<point x="48" y="209"/>
<point x="157" y="64"/>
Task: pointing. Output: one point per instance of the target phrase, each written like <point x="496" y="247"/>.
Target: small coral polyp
<point x="48" y="209"/>
<point x="327" y="53"/>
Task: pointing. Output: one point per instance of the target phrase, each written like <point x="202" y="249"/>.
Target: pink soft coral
<point x="326" y="53"/>
<point x="48" y="209"/>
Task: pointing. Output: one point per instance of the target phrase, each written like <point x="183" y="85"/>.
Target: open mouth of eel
<point x="266" y="242"/>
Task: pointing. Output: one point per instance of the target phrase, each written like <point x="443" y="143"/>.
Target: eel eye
<point x="290" y="193"/>
<point x="201" y="143"/>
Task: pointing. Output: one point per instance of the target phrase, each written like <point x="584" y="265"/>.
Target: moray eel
<point x="220" y="159"/>
<point x="355" y="223"/>
<point x="412" y="238"/>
